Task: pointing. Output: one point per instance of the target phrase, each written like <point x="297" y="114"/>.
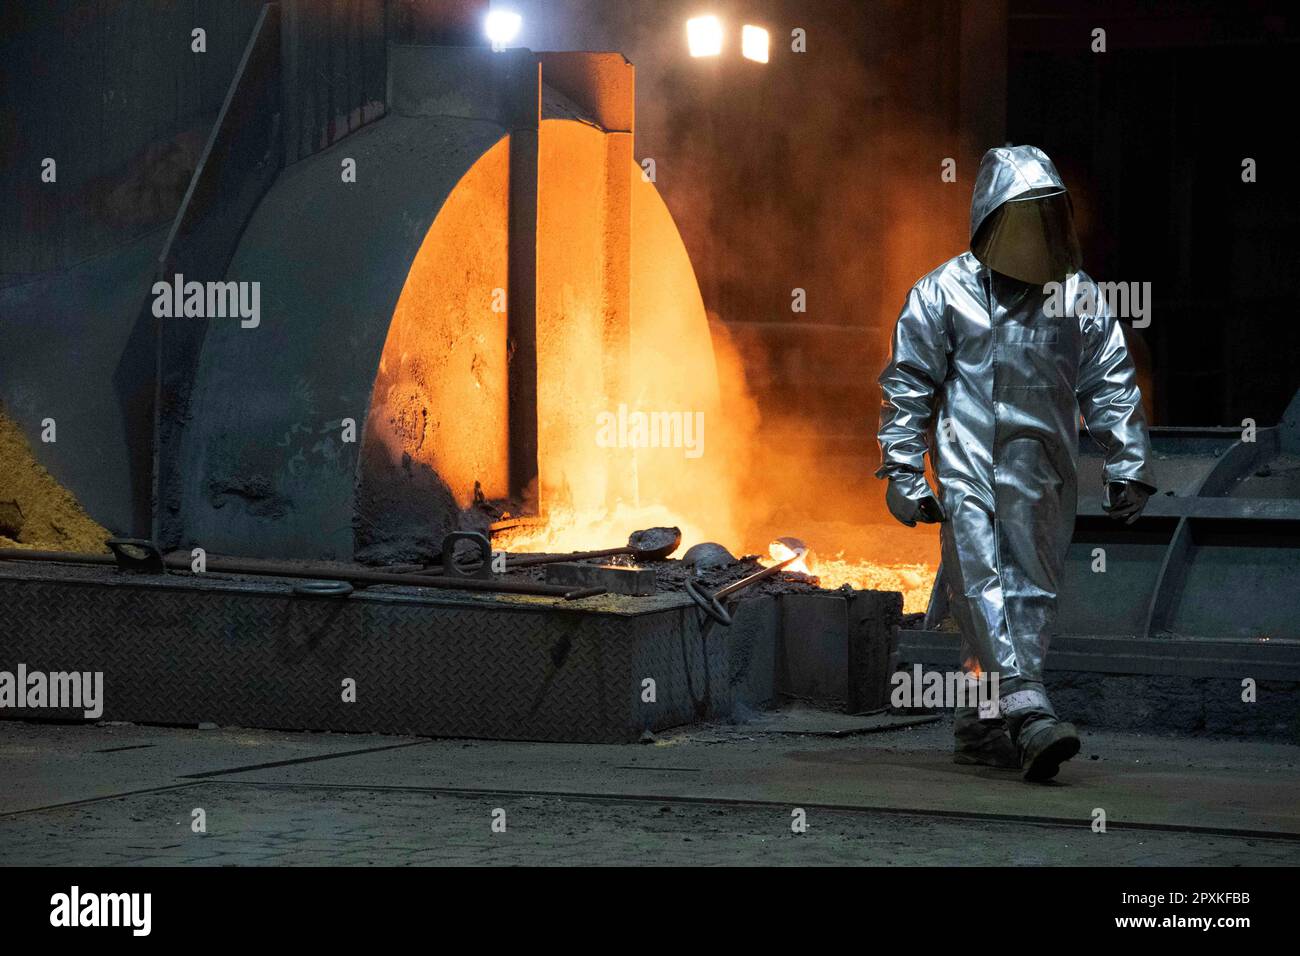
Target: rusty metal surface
<point x="248" y="652"/>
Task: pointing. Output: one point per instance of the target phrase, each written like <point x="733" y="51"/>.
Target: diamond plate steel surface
<point x="185" y="650"/>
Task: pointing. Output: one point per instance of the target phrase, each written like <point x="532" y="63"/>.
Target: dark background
<point x="1153" y="135"/>
<point x="821" y="171"/>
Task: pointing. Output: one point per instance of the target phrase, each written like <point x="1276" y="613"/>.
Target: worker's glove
<point x="911" y="510"/>
<point x="1125" y="500"/>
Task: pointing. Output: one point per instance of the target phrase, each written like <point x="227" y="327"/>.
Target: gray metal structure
<point x="1206" y="582"/>
<point x="162" y="154"/>
<point x="255" y="652"/>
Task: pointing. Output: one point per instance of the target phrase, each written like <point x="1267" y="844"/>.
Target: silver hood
<point x="1005" y="173"/>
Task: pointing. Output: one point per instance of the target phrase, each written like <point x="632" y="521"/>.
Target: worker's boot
<point x="1043" y="742"/>
<point x="983" y="742"/>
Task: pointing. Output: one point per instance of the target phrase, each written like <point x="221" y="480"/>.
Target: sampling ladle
<point x="651" y="544"/>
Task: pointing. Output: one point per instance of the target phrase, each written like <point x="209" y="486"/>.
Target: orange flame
<point x="805" y="560"/>
<point x="595" y="492"/>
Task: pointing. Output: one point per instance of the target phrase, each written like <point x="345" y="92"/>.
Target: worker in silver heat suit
<point x="991" y="367"/>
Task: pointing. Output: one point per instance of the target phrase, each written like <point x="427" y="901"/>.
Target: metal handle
<point x="323" y="588"/>
<point x="136" y="554"/>
<point x="449" y="566"/>
<point x="708" y="603"/>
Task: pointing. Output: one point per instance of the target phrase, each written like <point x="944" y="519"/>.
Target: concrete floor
<point x="877" y="791"/>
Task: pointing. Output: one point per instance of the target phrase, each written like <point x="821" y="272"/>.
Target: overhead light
<point x="704" y="36"/>
<point x="754" y="43"/>
<point x="501" y="27"/>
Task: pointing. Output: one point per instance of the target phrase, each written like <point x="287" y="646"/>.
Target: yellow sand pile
<point x="35" y="510"/>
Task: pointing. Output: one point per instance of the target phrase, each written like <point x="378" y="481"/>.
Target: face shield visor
<point x="1031" y="238"/>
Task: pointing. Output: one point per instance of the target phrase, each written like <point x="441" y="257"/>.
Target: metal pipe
<point x="532" y="561"/>
<point x="67" y="557"/>
<point x="321" y="572"/>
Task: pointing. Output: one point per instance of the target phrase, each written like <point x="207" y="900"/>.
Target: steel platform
<point x="184" y="649"/>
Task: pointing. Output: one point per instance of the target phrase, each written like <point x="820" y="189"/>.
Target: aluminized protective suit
<point x="982" y="366"/>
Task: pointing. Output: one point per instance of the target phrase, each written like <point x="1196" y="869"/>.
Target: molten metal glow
<point x="754" y="43"/>
<point x="704" y="36"/>
<point x="805" y="560"/>
<point x="594" y="529"/>
<point x="913" y="581"/>
<point x="593" y="496"/>
<point x="598" y="484"/>
<point x="446" y="352"/>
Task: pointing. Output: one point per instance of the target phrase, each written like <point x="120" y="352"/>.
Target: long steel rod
<point x="321" y="572"/>
<point x="754" y="578"/>
<point x="529" y="561"/>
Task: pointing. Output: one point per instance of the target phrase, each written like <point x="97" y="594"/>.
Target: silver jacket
<point x="987" y="380"/>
